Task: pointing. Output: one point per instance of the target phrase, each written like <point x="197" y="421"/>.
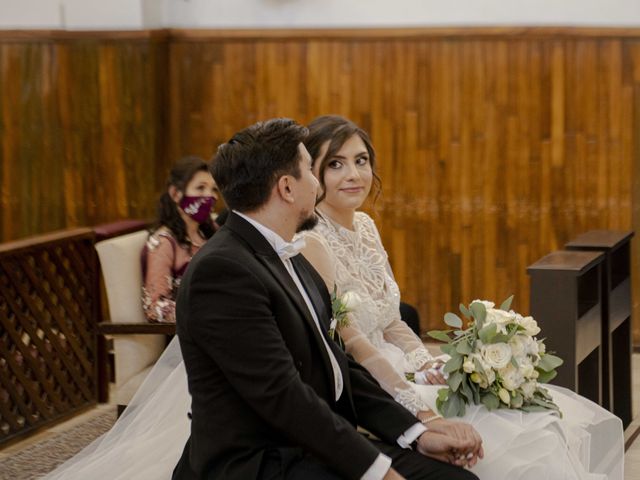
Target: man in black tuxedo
<point x="273" y="397"/>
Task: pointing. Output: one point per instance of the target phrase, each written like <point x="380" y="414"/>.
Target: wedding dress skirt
<point x="147" y="440"/>
<point x="587" y="443"/>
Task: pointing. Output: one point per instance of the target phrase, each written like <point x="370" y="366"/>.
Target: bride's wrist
<point x="426" y="416"/>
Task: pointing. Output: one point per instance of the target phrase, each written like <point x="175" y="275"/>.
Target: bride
<point x="345" y="248"/>
<point x="147" y="440"/>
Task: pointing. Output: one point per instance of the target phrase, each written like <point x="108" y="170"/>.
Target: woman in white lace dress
<point x="346" y="249"/>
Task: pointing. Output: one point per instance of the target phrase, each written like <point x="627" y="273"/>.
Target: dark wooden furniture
<point x="616" y="316"/>
<point x="566" y="302"/>
<point x="48" y="306"/>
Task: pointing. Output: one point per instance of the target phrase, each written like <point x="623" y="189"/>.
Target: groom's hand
<point x="466" y="434"/>
<point x="458" y="446"/>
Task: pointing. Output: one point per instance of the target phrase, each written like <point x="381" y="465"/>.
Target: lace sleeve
<point x="157" y="293"/>
<point x="399" y="333"/>
<point x="395" y="384"/>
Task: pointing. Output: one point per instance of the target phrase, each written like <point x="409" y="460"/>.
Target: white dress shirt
<point x="285" y="251"/>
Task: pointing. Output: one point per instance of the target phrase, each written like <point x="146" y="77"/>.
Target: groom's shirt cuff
<point x="378" y="469"/>
<point x="411" y="435"/>
<point x="382" y="464"/>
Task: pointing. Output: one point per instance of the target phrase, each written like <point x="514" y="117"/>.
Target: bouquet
<point x="496" y="361"/>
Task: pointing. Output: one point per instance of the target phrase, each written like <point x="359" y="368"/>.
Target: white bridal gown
<point x="147" y="441"/>
<point x="587" y="443"/>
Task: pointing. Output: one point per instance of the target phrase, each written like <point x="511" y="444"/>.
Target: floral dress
<point x="164" y="262"/>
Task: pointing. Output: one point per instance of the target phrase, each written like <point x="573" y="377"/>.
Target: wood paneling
<point x="495" y="145"/>
<point x="81" y="130"/>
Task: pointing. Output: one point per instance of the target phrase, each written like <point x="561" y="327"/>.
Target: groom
<point x="273" y="397"/>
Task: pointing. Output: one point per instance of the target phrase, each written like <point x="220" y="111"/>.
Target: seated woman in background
<point x="346" y="249"/>
<point x="183" y="225"/>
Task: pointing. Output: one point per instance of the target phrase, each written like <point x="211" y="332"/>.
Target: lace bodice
<point x="356" y="261"/>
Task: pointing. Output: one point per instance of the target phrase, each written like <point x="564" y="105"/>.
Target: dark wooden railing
<point x="48" y="310"/>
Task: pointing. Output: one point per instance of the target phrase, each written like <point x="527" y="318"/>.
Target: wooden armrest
<point x="108" y="328"/>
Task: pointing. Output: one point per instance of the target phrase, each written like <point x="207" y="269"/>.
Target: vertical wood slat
<point x="496" y="146"/>
<point x="47" y="330"/>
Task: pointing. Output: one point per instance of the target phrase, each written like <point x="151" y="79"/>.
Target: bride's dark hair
<point x="337" y="130"/>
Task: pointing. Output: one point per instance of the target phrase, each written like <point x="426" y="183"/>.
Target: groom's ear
<point x="284" y="188"/>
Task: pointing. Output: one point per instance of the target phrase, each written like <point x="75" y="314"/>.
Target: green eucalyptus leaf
<point x="533" y="408"/>
<point x="466" y="389"/>
<point x="452" y="320"/>
<point x="443" y="393"/>
<point x="490" y="401"/>
<point x="448" y="348"/>
<point x="453" y="364"/>
<point x="546" y="377"/>
<point x="454" y="406"/>
<point x="506" y="305"/>
<point x="440" y="335"/>
<point x="454" y="381"/>
<point x="479" y="312"/>
<point x="549" y="362"/>
<point x="487" y="332"/>
<point x="463" y="348"/>
<point x="465" y="311"/>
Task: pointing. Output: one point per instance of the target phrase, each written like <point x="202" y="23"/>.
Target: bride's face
<point x="347" y="176"/>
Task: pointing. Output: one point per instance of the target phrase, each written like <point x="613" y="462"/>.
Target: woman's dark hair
<point x="336" y="130"/>
<point x="168" y="214"/>
<point x="248" y="166"/>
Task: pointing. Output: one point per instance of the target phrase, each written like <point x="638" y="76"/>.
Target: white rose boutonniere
<point x="341" y="305"/>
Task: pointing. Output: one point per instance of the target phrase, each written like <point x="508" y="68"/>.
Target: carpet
<point x="41" y="458"/>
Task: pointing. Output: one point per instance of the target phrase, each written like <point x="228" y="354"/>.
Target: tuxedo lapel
<point x="324" y="316"/>
<point x="278" y="270"/>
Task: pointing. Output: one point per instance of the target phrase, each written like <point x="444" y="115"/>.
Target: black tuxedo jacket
<point x="258" y="372"/>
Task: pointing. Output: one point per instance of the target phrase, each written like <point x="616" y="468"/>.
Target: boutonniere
<point x="341" y="305"/>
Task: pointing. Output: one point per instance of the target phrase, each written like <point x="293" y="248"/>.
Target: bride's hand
<point x="470" y="449"/>
<point x="432" y="372"/>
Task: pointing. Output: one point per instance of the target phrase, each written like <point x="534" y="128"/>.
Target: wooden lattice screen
<point x="47" y="330"/>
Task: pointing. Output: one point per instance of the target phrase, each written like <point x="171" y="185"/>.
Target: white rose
<point x="496" y="355"/>
<point x="528" y="389"/>
<point x="530" y="326"/>
<point x="518" y="345"/>
<point x="351" y="300"/>
<point x="541" y="347"/>
<point x="499" y="317"/>
<point x="511" y="377"/>
<point x="532" y="346"/>
<point x="526" y="369"/>
<point x="486" y="303"/>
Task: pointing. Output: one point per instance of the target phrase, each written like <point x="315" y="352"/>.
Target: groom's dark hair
<point x="248" y="166"/>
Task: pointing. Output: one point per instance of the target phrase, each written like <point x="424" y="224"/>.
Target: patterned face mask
<point x="197" y="208"/>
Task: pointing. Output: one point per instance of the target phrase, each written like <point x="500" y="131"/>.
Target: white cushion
<point x="122" y="273"/>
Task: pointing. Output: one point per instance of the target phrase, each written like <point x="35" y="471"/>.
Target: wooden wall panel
<point x="81" y="130"/>
<point x="494" y="148"/>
